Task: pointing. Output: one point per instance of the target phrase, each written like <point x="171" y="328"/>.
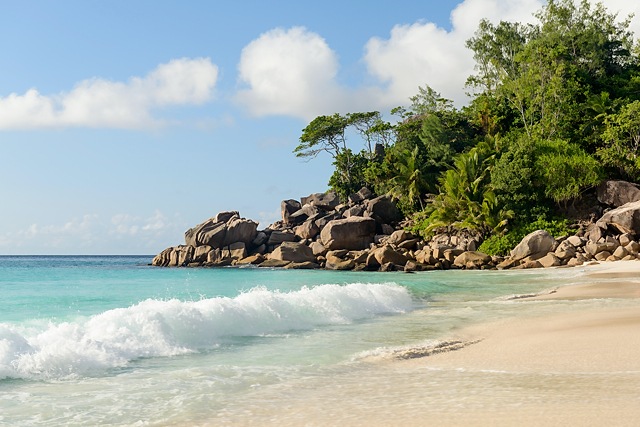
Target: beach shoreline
<point x="571" y="357"/>
<point x="569" y="342"/>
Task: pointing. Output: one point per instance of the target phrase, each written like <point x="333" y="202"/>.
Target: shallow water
<point x="112" y="341"/>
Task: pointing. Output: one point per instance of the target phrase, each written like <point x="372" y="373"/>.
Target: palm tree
<point x="466" y="199"/>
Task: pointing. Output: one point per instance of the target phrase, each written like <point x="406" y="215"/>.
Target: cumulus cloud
<point x="111" y="104"/>
<point x="289" y="72"/>
<point x="293" y="72"/>
<point x="416" y="55"/>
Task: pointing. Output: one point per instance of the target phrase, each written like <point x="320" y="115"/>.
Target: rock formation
<point x="365" y="233"/>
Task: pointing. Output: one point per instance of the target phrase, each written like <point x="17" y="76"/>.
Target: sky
<point x="124" y="123"/>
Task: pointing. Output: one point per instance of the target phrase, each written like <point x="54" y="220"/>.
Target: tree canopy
<point x="554" y="109"/>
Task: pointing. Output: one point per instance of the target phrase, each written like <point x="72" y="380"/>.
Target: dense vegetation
<point x="555" y="109"/>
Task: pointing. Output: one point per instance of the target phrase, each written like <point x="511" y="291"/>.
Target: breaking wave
<point x="158" y="328"/>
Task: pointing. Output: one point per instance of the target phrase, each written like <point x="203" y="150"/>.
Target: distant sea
<point x="110" y="340"/>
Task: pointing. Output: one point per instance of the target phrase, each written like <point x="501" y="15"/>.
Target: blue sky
<point x="123" y="123"/>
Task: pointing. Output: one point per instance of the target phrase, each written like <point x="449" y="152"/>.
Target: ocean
<point x="110" y="340"/>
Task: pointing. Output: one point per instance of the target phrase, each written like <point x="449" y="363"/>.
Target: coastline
<point x="572" y="342"/>
<point x="569" y="357"/>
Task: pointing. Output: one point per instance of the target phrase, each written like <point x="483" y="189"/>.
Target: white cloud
<point x="293" y="72"/>
<point x="623" y="8"/>
<point x="425" y="54"/>
<point x="108" y="104"/>
<point x="289" y="72"/>
<point x="416" y="55"/>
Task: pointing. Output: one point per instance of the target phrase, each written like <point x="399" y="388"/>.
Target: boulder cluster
<point x="612" y="237"/>
<point x="319" y="231"/>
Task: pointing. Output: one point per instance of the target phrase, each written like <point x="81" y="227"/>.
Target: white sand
<point x="562" y="362"/>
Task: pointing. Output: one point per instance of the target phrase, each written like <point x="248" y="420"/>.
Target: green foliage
<point x="565" y="169"/>
<point x="534" y="172"/>
<point x="513" y="175"/>
<point x="409" y="184"/>
<point x="349" y="174"/>
<point x="329" y="134"/>
<point x="432" y="132"/>
<point x="324" y="133"/>
<point x="556" y="109"/>
<point x="502" y="244"/>
<point x="547" y="71"/>
<point x="622" y="142"/>
<point x="466" y="200"/>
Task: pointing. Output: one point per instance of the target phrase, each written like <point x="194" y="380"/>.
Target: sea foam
<point x="157" y="328"/>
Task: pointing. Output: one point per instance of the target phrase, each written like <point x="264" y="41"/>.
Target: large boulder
<point x="201" y="253"/>
<point x="294" y="252"/>
<point x="383" y="210"/>
<point x="322" y="221"/>
<point x="210" y="233"/>
<point x="353" y="233"/>
<point x="594" y="233"/>
<point x="617" y="193"/>
<point x="336" y="263"/>
<point x="277" y="237"/>
<point x="625" y="219"/>
<point x="363" y="194"/>
<point x="182" y="255"/>
<point x="538" y="243"/>
<point x="318" y="249"/>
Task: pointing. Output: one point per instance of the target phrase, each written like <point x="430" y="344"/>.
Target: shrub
<point x="503" y="244"/>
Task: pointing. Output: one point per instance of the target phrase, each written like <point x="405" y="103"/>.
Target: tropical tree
<point x="409" y="185"/>
<point x="547" y="71"/>
<point x="565" y="169"/>
<point x="466" y="200"/>
<point x="329" y="134"/>
<point x="621" y="150"/>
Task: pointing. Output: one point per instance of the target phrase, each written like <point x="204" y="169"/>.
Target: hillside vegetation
<point x="554" y="110"/>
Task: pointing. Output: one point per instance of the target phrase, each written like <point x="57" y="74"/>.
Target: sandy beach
<point x="596" y="343"/>
<point x="571" y="357"/>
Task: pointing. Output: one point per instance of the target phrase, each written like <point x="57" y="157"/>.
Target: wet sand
<point x="571" y="357"/>
<point x="598" y="343"/>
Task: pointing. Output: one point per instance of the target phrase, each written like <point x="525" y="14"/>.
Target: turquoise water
<point x="113" y="341"/>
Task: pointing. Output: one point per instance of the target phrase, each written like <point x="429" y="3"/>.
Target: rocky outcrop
<point x="222" y="230"/>
<point x="312" y="226"/>
<point x="387" y="254"/>
<point x="326" y="201"/>
<point x="288" y="207"/>
<point x="472" y="259"/>
<point x="365" y="233"/>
